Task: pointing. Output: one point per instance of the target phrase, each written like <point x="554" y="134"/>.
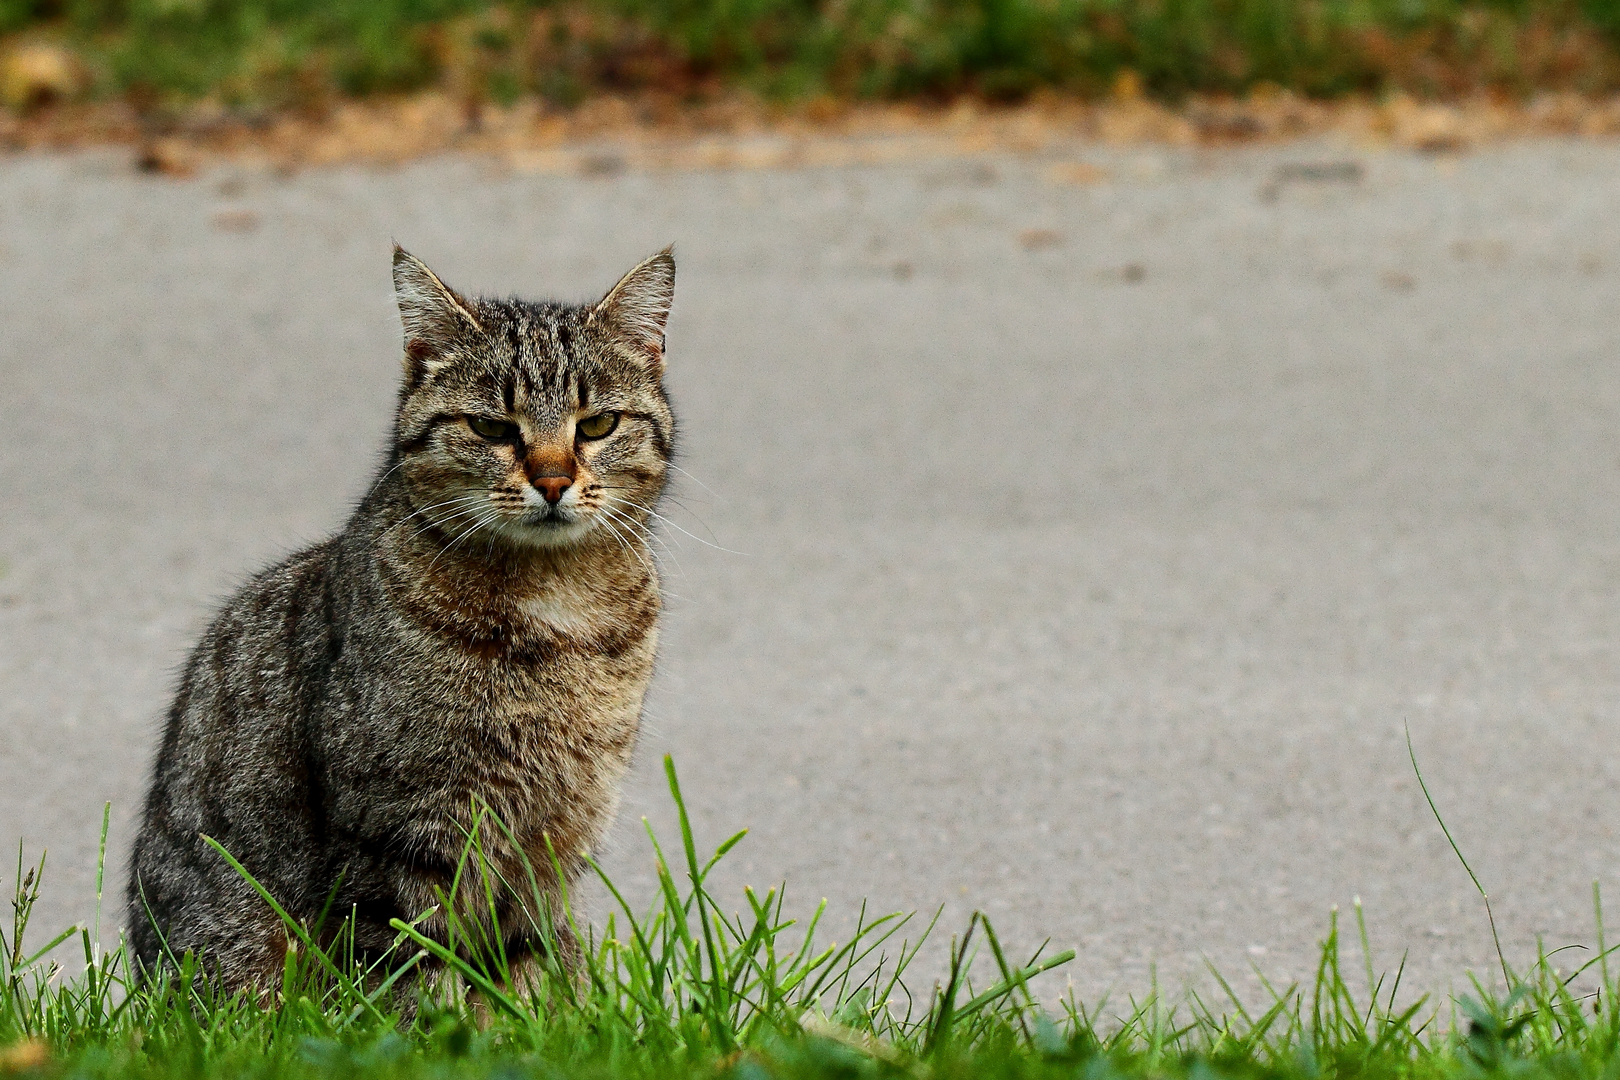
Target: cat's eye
<point x="493" y="430"/>
<point x="599" y="426"/>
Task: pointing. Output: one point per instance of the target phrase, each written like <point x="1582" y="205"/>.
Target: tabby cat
<point x="480" y="634"/>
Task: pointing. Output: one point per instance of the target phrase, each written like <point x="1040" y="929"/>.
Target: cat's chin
<point x="549" y="532"/>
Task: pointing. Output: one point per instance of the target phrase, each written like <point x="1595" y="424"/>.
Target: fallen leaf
<point x="170" y="157"/>
<point x="1074" y="172"/>
<point x="239" y="221"/>
<point x="38" y="74"/>
<point x="1038" y="239"/>
<point x="606" y="164"/>
<point x="28" y="1054"/>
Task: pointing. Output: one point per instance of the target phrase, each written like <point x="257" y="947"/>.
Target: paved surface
<point x="1087" y="578"/>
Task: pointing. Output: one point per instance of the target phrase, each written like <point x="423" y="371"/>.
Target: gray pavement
<point x="1087" y="578"/>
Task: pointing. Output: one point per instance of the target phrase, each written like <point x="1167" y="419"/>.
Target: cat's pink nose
<point x="552" y="487"/>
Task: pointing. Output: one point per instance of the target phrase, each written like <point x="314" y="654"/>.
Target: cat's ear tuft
<point x="433" y="315"/>
<point x="637" y="308"/>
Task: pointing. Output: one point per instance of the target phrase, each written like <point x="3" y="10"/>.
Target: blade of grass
<point x="1489" y="915"/>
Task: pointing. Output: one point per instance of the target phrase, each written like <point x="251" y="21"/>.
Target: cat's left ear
<point x="636" y="309"/>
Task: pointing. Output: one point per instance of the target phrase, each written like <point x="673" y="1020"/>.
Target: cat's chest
<point x="524" y="733"/>
<point x="541" y="680"/>
<point x="510" y="680"/>
<point x="528" y="739"/>
<point x="553" y="614"/>
<point x="541" y="662"/>
<point x="574" y="615"/>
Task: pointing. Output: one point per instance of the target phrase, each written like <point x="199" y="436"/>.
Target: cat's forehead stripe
<point x="539" y="359"/>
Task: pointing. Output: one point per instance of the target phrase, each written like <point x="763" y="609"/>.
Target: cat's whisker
<point x="432" y="526"/>
<point x="471" y="498"/>
<point x="483" y="520"/>
<point x="613" y="532"/>
<point x="489" y="544"/>
<point x="466" y="497"/>
<point x="713" y="539"/>
<point x="397" y="466"/>
<point x="444" y="519"/>
<point x="678" y="501"/>
<point x="665" y="497"/>
<point x="645" y="535"/>
<point x="449" y="502"/>
<point x="640" y="528"/>
<point x="637" y="529"/>
<point x="464" y="510"/>
<point x="628" y="547"/>
<point x="458" y="497"/>
<point x="671" y="523"/>
<point x="645" y="557"/>
<point x="676" y="468"/>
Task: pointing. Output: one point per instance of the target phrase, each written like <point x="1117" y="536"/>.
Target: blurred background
<point x="254" y="57"/>
<point x="1108" y="427"/>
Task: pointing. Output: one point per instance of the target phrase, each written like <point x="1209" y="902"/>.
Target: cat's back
<point x="253" y="652"/>
<point x="233" y="735"/>
<point x="233" y="763"/>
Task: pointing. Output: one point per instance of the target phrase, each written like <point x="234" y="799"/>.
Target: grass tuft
<point x="693" y="988"/>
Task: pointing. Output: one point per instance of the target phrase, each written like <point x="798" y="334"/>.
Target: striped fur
<point x="463" y="639"/>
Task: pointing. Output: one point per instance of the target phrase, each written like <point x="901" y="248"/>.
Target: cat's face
<point x="533" y="424"/>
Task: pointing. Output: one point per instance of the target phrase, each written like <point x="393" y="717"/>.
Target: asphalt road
<point x="1080" y="549"/>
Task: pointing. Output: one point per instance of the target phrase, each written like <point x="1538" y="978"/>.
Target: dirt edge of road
<point x="610" y="135"/>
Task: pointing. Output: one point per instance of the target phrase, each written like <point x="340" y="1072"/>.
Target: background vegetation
<point x="276" y="54"/>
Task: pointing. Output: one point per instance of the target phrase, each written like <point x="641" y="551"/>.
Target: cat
<point x="479" y="635"/>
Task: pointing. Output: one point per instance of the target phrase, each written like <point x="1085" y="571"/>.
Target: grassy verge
<point x="301" y="54"/>
<point x="687" y="990"/>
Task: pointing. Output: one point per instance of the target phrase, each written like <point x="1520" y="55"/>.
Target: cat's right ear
<point x="433" y="315"/>
<point x="636" y="309"/>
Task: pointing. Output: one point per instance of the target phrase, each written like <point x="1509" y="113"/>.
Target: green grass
<point x="687" y="989"/>
<point x="280" y="54"/>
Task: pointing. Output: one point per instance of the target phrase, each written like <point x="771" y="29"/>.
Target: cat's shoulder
<point x="286" y="585"/>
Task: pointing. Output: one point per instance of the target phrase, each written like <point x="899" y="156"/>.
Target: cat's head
<point x="533" y="424"/>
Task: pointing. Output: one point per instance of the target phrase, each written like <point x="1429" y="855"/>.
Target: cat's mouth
<point x="550" y="526"/>
<point x="549" y="517"/>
